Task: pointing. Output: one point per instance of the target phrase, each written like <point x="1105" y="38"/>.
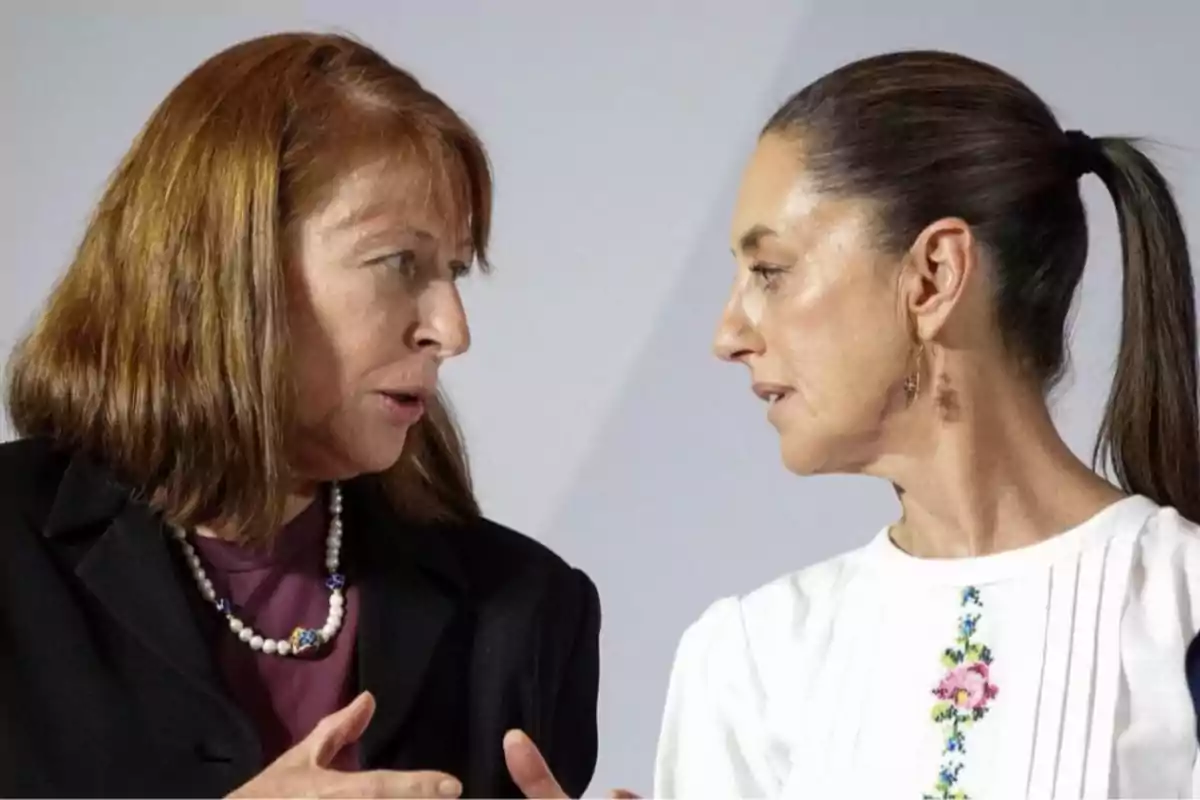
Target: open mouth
<point x="771" y="393"/>
<point x="404" y="408"/>
<point x="404" y="398"/>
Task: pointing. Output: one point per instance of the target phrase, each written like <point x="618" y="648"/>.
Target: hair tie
<point x="1084" y="154"/>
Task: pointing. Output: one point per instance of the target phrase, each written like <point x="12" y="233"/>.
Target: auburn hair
<point x="164" y="349"/>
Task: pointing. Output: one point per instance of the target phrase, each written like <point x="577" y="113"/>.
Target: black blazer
<point x="108" y="686"/>
<point x="1192" y="667"/>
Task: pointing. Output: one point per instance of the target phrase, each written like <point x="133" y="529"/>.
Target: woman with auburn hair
<point x="239" y="549"/>
<point x="909" y="238"/>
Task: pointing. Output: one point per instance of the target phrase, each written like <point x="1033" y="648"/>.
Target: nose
<point x="737" y="337"/>
<point x="442" y="324"/>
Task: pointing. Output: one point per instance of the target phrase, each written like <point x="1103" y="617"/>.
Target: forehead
<point x="387" y="193"/>
<point x="773" y="188"/>
<point x="778" y="200"/>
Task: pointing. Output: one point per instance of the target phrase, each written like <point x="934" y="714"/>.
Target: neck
<point x="982" y="469"/>
<point x="299" y="499"/>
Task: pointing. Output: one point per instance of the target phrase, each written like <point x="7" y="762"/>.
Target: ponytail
<point x="1151" y="429"/>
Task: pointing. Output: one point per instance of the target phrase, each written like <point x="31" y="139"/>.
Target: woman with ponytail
<point x="909" y="238"/>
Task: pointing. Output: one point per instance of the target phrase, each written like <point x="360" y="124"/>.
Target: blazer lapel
<point x="410" y="585"/>
<point x="129" y="570"/>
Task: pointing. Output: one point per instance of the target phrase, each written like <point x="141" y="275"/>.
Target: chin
<point x="379" y="459"/>
<point x="369" y="457"/>
<point x="801" y="467"/>
<point x="805" y="458"/>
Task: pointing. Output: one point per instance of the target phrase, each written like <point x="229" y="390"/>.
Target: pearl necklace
<point x="303" y="641"/>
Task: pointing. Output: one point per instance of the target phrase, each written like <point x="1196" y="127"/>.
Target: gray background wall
<point x="598" y="421"/>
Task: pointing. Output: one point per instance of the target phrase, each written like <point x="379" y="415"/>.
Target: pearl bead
<point x="257" y="642"/>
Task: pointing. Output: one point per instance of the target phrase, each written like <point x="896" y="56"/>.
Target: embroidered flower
<point x="967" y="687"/>
<point x="963" y="695"/>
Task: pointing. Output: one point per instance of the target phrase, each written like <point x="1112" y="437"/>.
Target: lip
<point x="775" y="394"/>
<point x="776" y="408"/>
<point x="404" y="406"/>
<point x="766" y="390"/>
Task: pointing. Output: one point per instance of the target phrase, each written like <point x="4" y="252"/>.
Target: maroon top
<point x="274" y="592"/>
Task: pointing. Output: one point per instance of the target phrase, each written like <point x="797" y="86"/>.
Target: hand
<point x="532" y="775"/>
<point x="304" y="771"/>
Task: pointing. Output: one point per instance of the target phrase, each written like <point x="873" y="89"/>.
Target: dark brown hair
<point x="164" y="349"/>
<point x="926" y="135"/>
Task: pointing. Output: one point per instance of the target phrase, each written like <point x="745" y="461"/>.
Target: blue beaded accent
<point x="305" y="639"/>
<point x="335" y="581"/>
<point x="224" y="606"/>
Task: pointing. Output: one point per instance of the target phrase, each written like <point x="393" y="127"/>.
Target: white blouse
<point x="1052" y="670"/>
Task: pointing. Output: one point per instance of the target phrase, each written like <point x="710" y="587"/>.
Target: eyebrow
<point x="388" y="235"/>
<point x="753" y="236"/>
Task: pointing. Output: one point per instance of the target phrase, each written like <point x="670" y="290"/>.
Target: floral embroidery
<point x="963" y="696"/>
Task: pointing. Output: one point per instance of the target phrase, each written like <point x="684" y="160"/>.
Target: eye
<point x="459" y="269"/>
<point x="404" y="261"/>
<point x="768" y="274"/>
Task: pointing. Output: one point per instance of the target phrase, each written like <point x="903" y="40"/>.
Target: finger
<point x="385" y="783"/>
<point x="344" y="726"/>
<point x="528" y="769"/>
<point x="623" y="794"/>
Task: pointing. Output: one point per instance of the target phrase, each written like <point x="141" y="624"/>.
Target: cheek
<point x="346" y="332"/>
<point x="837" y="341"/>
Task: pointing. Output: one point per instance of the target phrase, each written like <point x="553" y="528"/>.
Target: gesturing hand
<point x="532" y="774"/>
<point x="304" y="771"/>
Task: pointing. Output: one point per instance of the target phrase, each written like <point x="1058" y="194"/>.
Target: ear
<point x="939" y="266"/>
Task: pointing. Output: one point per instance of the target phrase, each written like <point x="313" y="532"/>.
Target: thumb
<point x="623" y="794"/>
<point x="341" y="728"/>
<point x="528" y="769"/>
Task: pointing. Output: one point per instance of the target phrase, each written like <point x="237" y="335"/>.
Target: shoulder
<point x="488" y="548"/>
<point x="747" y="634"/>
<point x="512" y="569"/>
<point x="783" y="607"/>
<point x="31" y="472"/>
<point x="487" y="541"/>
<point x="729" y="667"/>
<point x="1158" y="624"/>
<point x="27" y="463"/>
<point x="1168" y="540"/>
<point x="796" y="596"/>
<point x="1164" y="575"/>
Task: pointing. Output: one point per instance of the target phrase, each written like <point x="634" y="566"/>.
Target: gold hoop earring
<point x="912" y="384"/>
